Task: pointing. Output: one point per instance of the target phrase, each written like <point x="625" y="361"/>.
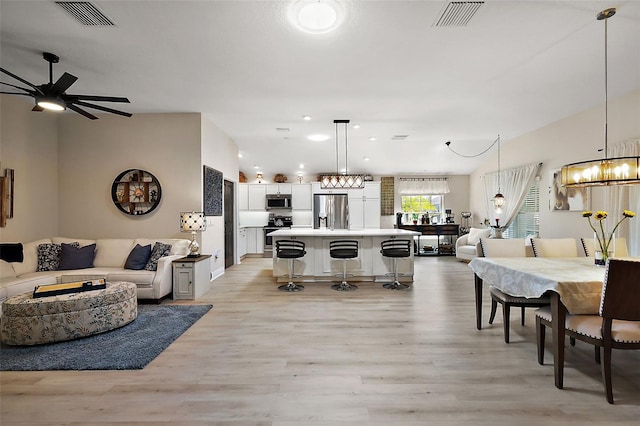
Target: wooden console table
<point x="449" y="230"/>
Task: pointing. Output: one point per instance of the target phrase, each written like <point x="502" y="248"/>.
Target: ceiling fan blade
<point x="74" y="98"/>
<point x="82" y="112"/>
<point x="14" y="93"/>
<point x="18" y="87"/>
<point x="22" y="80"/>
<point x="63" y="83"/>
<point x="101" y="108"/>
<point x="37" y="108"/>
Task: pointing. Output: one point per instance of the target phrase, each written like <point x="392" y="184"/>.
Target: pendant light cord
<point x="606" y="93"/>
<point x="498" y="163"/>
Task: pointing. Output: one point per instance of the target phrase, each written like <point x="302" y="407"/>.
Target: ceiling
<point x="515" y="67"/>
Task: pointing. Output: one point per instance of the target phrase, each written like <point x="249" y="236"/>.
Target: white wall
<point x="29" y="145"/>
<point x="93" y="152"/>
<point x="221" y="153"/>
<point x="574" y="138"/>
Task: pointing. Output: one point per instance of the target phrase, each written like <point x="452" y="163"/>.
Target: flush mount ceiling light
<point x="316" y="16"/>
<point x="318" y="138"/>
<point x="607" y="171"/>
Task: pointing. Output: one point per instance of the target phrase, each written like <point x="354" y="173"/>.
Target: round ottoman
<point x="29" y="321"/>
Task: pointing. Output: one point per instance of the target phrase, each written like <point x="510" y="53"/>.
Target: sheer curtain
<point x="514" y="185"/>
<point x="621" y="197"/>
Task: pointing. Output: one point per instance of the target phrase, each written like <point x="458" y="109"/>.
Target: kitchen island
<point x="318" y="266"/>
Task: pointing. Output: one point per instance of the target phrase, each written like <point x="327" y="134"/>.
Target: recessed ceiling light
<point x="256" y="167"/>
<point x="301" y="166"/>
<point x="239" y="155"/>
<point x="372" y="138"/>
<point x="356" y="126"/>
<point x="365" y="158"/>
<point x="316" y="16"/>
<point x="318" y="137"/>
<point x="306" y="117"/>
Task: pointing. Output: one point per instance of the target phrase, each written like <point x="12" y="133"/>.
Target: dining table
<point x="574" y="285"/>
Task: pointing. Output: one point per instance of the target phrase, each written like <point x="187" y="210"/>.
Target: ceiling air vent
<point x="458" y="13"/>
<point x="85" y="13"/>
<point x="282" y="129"/>
<point x="399" y="137"/>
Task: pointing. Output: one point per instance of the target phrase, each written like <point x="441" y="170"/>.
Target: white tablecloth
<point x="577" y="280"/>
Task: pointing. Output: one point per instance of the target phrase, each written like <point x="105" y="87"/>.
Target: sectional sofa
<point x="109" y="261"/>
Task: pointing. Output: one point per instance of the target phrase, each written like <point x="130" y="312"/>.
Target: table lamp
<point x="193" y="222"/>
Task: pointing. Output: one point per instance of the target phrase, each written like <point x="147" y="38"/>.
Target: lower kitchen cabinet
<point x="191" y="277"/>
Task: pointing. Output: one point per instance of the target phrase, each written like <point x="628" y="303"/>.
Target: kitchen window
<point x="414" y="206"/>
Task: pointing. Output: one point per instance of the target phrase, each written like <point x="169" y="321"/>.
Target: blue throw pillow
<point x="76" y="258"/>
<point x="49" y="256"/>
<point x="138" y="257"/>
<point x="159" y="250"/>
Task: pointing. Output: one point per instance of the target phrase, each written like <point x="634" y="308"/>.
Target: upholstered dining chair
<point x="620" y="248"/>
<point x="554" y="247"/>
<point x="513" y="247"/>
<point x="617" y="326"/>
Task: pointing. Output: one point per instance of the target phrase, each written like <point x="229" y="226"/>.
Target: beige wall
<point x="221" y="153"/>
<point x="29" y="145"/>
<point x="93" y="152"/>
<point x="575" y="138"/>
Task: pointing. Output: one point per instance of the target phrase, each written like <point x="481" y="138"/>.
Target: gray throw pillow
<point x="159" y="250"/>
<point x="76" y="258"/>
<point x="49" y="256"/>
<point x="138" y="257"/>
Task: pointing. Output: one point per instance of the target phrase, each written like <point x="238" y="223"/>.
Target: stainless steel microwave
<point x="278" y="202"/>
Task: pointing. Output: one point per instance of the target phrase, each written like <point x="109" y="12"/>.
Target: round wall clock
<point x="136" y="192"/>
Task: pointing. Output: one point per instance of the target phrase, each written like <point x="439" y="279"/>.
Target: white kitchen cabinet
<point x="301" y="196"/>
<point x="242" y="242"/>
<point x="279" y="188"/>
<point x="255" y="240"/>
<point x="364" y="206"/>
<point x="243" y="196"/>
<point x="191" y="277"/>
<point x="257" y="196"/>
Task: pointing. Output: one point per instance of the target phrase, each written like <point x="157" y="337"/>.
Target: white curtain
<point x="625" y="197"/>
<point x="426" y="186"/>
<point x="514" y="185"/>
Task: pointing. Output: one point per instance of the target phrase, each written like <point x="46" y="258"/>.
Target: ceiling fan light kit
<point x="53" y="97"/>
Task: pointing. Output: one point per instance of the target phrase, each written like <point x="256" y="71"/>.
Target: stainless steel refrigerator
<point x="331" y="211"/>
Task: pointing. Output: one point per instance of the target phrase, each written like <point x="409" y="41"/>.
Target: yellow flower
<point x="600" y="215"/>
<point x="587" y="213"/>
<point x="628" y="213"/>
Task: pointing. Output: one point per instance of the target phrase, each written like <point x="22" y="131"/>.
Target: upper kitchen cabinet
<point x="364" y="206"/>
<point x="243" y="196"/>
<point x="301" y="196"/>
<point x="279" y="188"/>
<point x="257" y="196"/>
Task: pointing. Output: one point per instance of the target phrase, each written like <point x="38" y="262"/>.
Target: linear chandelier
<point x="607" y="171"/>
<point x="342" y="180"/>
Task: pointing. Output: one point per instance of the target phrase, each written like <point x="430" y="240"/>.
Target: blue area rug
<point x="127" y="348"/>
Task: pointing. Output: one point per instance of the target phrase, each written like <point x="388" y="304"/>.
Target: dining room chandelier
<point x="606" y="171"/>
<point x="342" y="180"/>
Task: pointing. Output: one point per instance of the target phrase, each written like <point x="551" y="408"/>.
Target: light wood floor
<point x="324" y="358"/>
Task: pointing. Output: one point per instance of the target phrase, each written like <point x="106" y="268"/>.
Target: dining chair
<point x="617" y="325"/>
<point x="512" y="247"/>
<point x="554" y="247"/>
<point x="620" y="247"/>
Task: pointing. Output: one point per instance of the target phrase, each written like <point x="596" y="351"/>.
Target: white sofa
<point x="111" y="255"/>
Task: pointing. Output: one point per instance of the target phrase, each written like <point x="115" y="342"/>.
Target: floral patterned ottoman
<point x="29" y="321"/>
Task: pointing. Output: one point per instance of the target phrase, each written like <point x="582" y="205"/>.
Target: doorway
<point x="229" y="224"/>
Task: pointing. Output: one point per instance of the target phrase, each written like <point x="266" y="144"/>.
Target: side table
<point x="191" y="277"/>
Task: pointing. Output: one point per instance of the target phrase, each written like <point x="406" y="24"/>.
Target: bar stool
<point x="343" y="249"/>
<point x="290" y="249"/>
<point x="395" y="249"/>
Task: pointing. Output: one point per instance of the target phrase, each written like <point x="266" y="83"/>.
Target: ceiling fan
<point x="52" y="95"/>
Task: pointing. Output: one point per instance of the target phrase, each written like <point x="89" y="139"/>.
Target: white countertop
<point x="308" y="232"/>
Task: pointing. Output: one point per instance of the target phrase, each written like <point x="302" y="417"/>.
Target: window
<point x="527" y="221"/>
<point x="414" y="206"/>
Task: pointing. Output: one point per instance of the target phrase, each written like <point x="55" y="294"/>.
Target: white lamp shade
<point x="192" y="221"/>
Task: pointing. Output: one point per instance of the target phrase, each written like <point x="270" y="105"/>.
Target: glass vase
<point x="600" y="256"/>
